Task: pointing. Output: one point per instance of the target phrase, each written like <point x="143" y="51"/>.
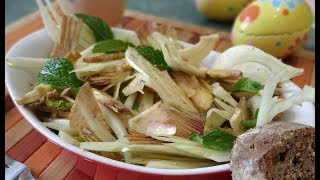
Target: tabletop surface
<point x="181" y="10"/>
<point x="21" y="143"/>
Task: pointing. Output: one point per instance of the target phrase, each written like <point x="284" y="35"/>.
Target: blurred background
<point x="180" y="10"/>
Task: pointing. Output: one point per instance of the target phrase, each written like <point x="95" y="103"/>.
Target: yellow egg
<point x="277" y="27"/>
<point x="221" y="9"/>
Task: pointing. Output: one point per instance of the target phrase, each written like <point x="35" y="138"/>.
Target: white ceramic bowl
<point x="21" y="81"/>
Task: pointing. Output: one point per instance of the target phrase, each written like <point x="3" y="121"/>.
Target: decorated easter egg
<point x="221" y="9"/>
<point x="277" y="27"/>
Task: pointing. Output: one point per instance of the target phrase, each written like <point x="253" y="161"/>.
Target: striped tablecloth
<point x="49" y="161"/>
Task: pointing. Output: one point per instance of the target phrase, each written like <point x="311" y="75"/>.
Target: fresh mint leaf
<point x="245" y="84"/>
<point x="195" y="137"/>
<point x="218" y="140"/>
<point x="154" y="56"/>
<point x="256" y="113"/>
<point x="57" y="73"/>
<point x="110" y="46"/>
<point x="215" y="139"/>
<point x="61" y="104"/>
<point x="252" y="122"/>
<point x="249" y="123"/>
<point x="100" y="29"/>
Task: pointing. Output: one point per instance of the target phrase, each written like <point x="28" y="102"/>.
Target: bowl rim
<point x="30" y="117"/>
<point x="27" y="114"/>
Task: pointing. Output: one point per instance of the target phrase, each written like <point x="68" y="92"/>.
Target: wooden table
<point x="49" y="161"/>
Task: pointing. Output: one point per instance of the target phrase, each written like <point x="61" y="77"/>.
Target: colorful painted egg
<point x="277" y="27"/>
<point x="221" y="9"/>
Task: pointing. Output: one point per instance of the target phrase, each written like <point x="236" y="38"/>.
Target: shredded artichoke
<point x="160" y="81"/>
<point x="170" y="50"/>
<point x="196" y="53"/>
<point x="38" y="92"/>
<point x="86" y="117"/>
<point x="136" y="85"/>
<point x="185" y="122"/>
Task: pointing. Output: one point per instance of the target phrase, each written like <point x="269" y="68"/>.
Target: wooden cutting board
<point x="46" y="159"/>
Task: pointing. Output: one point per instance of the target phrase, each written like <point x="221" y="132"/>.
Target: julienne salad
<point x="149" y="100"/>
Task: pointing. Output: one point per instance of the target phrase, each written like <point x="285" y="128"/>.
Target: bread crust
<point x="279" y="150"/>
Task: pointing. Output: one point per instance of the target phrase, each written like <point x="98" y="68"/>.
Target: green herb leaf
<point x="100" y="29"/>
<point x="249" y="123"/>
<point x="61" y="104"/>
<point x="110" y="46"/>
<point x="256" y="113"/>
<point x="154" y="56"/>
<point x="57" y="73"/>
<point x="245" y="84"/>
<point x="252" y="122"/>
<point x="196" y="137"/>
<point x="215" y="139"/>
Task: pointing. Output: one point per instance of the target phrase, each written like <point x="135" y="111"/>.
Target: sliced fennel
<point x="225" y="103"/>
<point x="241" y="114"/>
<point x="182" y="164"/>
<point x="136" y="85"/>
<point x="27" y="62"/>
<point x="127" y="36"/>
<point x="176" y="139"/>
<point x="149" y="148"/>
<point x="114" y="121"/>
<point x="68" y="138"/>
<point x="223" y="95"/>
<point x="270" y="106"/>
<point x="145" y="101"/>
<point x="214" y="120"/>
<point x="117" y="90"/>
<point x="130" y="100"/>
<point x="253" y="103"/>
<point x="233" y="57"/>
<point x="218" y="156"/>
<point x="61" y="125"/>
<point x="94" y="68"/>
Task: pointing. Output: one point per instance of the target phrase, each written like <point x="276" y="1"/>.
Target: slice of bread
<point x="278" y="150"/>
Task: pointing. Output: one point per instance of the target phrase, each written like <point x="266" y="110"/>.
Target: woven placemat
<point x="49" y="161"/>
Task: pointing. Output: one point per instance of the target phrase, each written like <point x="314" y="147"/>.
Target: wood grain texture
<point x="77" y="174"/>
<point x="149" y="177"/>
<point x="11" y="118"/>
<point x="49" y="161"/>
<point x="9" y="103"/>
<point x="42" y="158"/>
<point x="21" y="28"/>
<point x="307" y="65"/>
<point x="87" y="167"/>
<point x="313" y="77"/>
<point x="127" y="175"/>
<point x="27" y="146"/>
<point x="16" y="133"/>
<point x="103" y="172"/>
<point x="60" y="167"/>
